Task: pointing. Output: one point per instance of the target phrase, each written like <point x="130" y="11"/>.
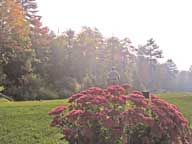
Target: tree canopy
<point x="35" y="63"/>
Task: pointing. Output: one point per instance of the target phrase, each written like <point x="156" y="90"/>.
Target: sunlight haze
<point x="167" y="21"/>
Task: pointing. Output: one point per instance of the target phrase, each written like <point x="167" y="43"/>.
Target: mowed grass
<point x="28" y="122"/>
<point x="182" y="100"/>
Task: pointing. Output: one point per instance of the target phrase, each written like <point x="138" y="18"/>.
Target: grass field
<point x="182" y="100"/>
<point x="28" y="122"/>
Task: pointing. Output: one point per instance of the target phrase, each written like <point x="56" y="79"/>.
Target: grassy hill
<point x="28" y="122"/>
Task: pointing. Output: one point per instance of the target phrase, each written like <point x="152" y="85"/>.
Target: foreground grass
<point x="182" y="100"/>
<point x="28" y="122"/>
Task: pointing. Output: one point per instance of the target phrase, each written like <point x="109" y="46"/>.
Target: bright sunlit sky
<point x="169" y="22"/>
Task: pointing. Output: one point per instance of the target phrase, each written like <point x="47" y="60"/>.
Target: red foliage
<point x="116" y="90"/>
<point x="56" y="121"/>
<point x="138" y="99"/>
<point x="74" y="114"/>
<point x="105" y="114"/>
<point x="67" y="132"/>
<point x="57" y="110"/>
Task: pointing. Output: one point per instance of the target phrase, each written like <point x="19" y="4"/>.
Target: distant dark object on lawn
<point x="146" y="94"/>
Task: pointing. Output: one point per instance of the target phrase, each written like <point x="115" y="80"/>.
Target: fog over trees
<point x="37" y="63"/>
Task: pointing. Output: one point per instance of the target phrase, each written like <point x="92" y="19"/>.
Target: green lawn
<point x="182" y="100"/>
<point x="28" y="122"/>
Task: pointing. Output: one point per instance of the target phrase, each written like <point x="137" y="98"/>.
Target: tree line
<point x="36" y="63"/>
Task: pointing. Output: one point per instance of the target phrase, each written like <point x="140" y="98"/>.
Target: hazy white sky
<point x="169" y="22"/>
